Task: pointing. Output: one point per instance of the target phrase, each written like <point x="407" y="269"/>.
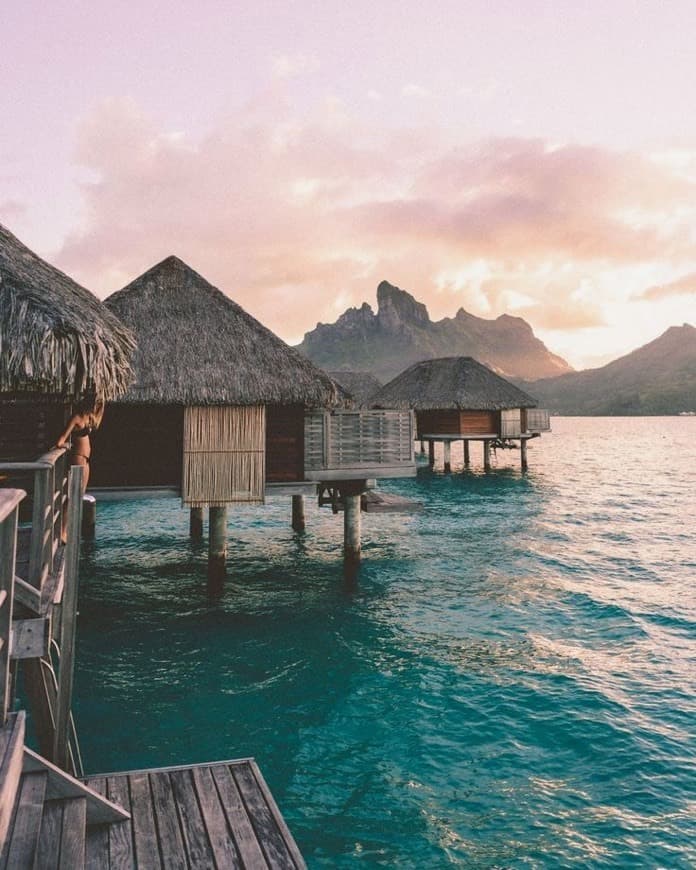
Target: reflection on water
<point x="508" y="681"/>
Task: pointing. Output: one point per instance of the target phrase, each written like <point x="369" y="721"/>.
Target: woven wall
<point x="224" y="455"/>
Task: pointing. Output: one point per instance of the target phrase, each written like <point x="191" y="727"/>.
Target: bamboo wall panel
<point x="358" y="439"/>
<point x="224" y="455"/>
<point x="538" y="420"/>
<point x="510" y="423"/>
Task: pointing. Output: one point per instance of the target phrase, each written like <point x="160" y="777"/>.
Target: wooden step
<point x="23" y="837"/>
<point x="62" y="840"/>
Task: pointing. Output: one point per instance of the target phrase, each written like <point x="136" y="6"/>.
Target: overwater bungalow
<point x="58" y="343"/>
<point x="223" y="412"/>
<point x="459" y="399"/>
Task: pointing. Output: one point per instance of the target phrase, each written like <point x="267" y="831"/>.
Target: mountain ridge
<point x="401" y="332"/>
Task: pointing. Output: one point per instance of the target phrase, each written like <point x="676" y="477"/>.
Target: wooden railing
<point x="9" y="511"/>
<point x="369" y="443"/>
<point x="538" y="420"/>
<point x="46" y="482"/>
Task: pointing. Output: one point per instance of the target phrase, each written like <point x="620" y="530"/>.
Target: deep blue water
<point x="510" y="683"/>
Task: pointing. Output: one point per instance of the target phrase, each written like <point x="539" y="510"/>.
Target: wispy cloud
<point x="274" y="207"/>
<point x="684" y="286"/>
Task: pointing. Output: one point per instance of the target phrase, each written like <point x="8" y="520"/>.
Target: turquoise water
<point x="510" y="683"/>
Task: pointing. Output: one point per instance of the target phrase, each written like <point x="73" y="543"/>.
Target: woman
<point x="87" y="417"/>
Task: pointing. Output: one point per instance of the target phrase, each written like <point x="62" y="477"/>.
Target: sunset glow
<point x="536" y="159"/>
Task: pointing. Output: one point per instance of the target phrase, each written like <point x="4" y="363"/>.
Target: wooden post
<point x="431" y="453"/>
<point x="41" y="527"/>
<point x="196" y="524"/>
<point x="351" y="528"/>
<point x="217" y="542"/>
<point x="467" y="455"/>
<point x="61" y="748"/>
<point x="422" y="446"/>
<point x="9" y="500"/>
<point x="523" y="454"/>
<point x="487" y="455"/>
<point x="447" y="448"/>
<point x="89" y="517"/>
<point x="298" y="514"/>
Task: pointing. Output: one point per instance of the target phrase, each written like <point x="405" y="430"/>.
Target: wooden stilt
<point x="467" y="455"/>
<point x="196" y="524"/>
<point x="217" y="542"/>
<point x="298" y="513"/>
<point x="351" y="528"/>
<point x="447" y="448"/>
<point x="431" y="453"/>
<point x="422" y="446"/>
<point x="523" y="454"/>
<point x="89" y="517"/>
<point x="487" y="455"/>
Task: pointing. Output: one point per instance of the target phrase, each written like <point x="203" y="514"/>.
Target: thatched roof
<point x="452" y="382"/>
<point x="195" y="346"/>
<point x="55" y="336"/>
<point x="360" y="385"/>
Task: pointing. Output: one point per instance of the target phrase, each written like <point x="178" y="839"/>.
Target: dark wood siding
<point x="29" y="428"/>
<point x="138" y="445"/>
<point x="284" y="443"/>
<point x="479" y="422"/>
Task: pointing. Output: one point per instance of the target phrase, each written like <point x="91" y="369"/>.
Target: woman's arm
<point x="63" y="440"/>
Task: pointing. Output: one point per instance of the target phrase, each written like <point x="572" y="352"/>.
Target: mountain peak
<point x="397" y="307"/>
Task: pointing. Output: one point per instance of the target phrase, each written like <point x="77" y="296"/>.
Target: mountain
<point x="658" y="378"/>
<point x="401" y="333"/>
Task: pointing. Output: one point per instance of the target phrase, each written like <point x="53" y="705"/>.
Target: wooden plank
<point x="27" y="595"/>
<point x="8" y="554"/>
<point x="264" y="822"/>
<point x="219" y="835"/>
<point x="238" y="819"/>
<point x="100" y="810"/>
<point x="11" y="746"/>
<point x="277" y="815"/>
<point x="24" y="837"/>
<point x="40" y="526"/>
<point x="72" y="838"/>
<point x="143" y="821"/>
<point x="61" y="749"/>
<point x="121" y="834"/>
<point x="97" y="836"/>
<point x="193" y="828"/>
<point x="48" y="851"/>
<point x="170" y="840"/>
<point x="30" y="638"/>
<point x="144" y="830"/>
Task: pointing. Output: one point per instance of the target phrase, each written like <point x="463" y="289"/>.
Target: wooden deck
<point x="213" y="815"/>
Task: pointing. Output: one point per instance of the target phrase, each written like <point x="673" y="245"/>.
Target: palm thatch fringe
<point x="360" y="385"/>
<point x="55" y="336"/>
<point x="458" y="382"/>
<point x="198" y="347"/>
<point x="224" y="455"/>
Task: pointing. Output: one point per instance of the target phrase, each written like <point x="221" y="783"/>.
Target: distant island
<point x="658" y="378"/>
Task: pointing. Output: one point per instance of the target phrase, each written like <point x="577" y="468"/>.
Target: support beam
<point x="196" y="524"/>
<point x="467" y="455"/>
<point x="447" y="448"/>
<point x="351" y="528"/>
<point x="431" y="453"/>
<point x="298" y="513"/>
<point x="487" y="455"/>
<point x="422" y="447"/>
<point x="89" y="517"/>
<point x="523" y="454"/>
<point x="217" y="542"/>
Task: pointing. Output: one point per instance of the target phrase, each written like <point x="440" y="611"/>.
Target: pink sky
<point x="537" y="158"/>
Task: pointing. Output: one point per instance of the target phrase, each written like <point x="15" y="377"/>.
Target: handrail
<point x="9" y="512"/>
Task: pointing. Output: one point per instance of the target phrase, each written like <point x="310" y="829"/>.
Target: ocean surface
<point x="508" y="683"/>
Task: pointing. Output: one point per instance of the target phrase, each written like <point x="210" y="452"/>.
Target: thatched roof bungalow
<point x="57" y="343"/>
<point x="458" y="396"/>
<point x="360" y="385"/>
<point x="216" y="387"/>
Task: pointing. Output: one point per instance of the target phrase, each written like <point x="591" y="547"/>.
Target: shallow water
<point x="509" y="684"/>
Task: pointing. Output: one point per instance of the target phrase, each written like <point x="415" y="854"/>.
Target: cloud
<point x="414" y="91"/>
<point x="286" y="212"/>
<point x="12" y="211"/>
<point x="684" y="286"/>
<point x="289" y="65"/>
